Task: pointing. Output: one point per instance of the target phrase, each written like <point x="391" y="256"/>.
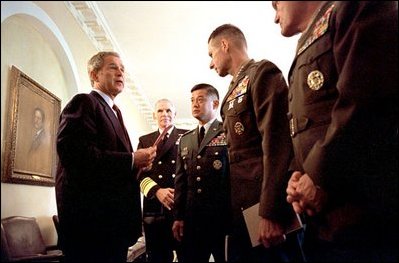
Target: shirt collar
<point x="107" y="99"/>
<point x="168" y="133"/>
<point x="207" y="125"/>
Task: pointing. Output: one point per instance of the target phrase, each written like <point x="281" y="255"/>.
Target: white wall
<point x="44" y="41"/>
<point x="32" y="42"/>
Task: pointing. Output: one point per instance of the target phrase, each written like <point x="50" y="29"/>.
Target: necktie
<point x="201" y="135"/>
<point x="163" y="142"/>
<point x="119" y="114"/>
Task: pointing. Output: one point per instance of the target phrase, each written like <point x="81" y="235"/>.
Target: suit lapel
<point x="114" y="121"/>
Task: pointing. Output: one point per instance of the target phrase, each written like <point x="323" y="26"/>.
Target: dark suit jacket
<point x="344" y="118"/>
<point x="254" y="118"/>
<point x="98" y="197"/>
<point x="163" y="169"/>
<point x="202" y="183"/>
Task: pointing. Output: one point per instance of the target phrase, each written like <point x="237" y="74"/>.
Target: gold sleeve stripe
<point x="146" y="185"/>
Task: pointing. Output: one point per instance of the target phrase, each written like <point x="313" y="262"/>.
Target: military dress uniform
<point x="202" y="193"/>
<point x="343" y="91"/>
<point x="158" y="220"/>
<point x="254" y="118"/>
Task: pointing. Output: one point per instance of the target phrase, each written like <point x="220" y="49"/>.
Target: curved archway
<point x="45" y="25"/>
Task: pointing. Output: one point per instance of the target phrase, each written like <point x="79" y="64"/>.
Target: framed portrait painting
<point x="31" y="127"/>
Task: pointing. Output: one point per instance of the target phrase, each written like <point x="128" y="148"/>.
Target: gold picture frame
<point x="31" y="127"/>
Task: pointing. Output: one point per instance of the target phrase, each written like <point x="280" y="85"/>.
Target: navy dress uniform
<point x="343" y="92"/>
<point x="156" y="218"/>
<point x="202" y="193"/>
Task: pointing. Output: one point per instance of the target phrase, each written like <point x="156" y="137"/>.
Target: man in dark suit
<point x="202" y="184"/>
<point x="343" y="109"/>
<point x="157" y="185"/>
<point x="98" y="195"/>
<point x="254" y="118"/>
<point x="39" y="155"/>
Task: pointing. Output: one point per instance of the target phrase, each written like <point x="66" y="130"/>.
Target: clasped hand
<point x="304" y="195"/>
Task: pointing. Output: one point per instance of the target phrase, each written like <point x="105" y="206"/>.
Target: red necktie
<point x="163" y="142"/>
<point x="119" y="114"/>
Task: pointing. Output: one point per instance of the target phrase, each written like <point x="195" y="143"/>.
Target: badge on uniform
<point x="315" y="80"/>
<point x="319" y="30"/>
<point x="239" y="128"/>
<point x="184" y="152"/>
<point x="220" y="140"/>
<point x="217" y="164"/>
<point x="231" y="104"/>
<point x="240" y="89"/>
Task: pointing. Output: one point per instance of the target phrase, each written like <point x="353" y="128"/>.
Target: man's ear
<point x="215" y="104"/>
<point x="93" y="76"/>
<point x="225" y="44"/>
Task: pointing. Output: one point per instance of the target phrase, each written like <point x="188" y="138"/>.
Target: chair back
<point x="21" y="239"/>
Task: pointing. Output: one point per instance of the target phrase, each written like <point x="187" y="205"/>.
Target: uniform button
<point x="198" y="156"/>
<point x="198" y="179"/>
<point x="216" y="153"/>
<point x="173" y="161"/>
<point x="160" y="176"/>
<point x="160" y="162"/>
<point x="199" y="190"/>
<point x="173" y="175"/>
<point x="198" y="167"/>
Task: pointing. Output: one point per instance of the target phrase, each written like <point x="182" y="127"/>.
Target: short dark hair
<point x="231" y="32"/>
<point x="210" y="90"/>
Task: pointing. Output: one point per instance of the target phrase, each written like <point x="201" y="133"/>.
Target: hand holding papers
<point x="160" y="138"/>
<point x="162" y="135"/>
<point x="252" y="219"/>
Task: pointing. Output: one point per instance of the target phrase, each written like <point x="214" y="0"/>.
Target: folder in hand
<point x="252" y="219"/>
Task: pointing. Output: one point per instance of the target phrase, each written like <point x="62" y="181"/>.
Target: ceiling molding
<point x="93" y="23"/>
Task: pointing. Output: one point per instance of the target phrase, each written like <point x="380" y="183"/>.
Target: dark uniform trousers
<point x="157" y="220"/>
<point x="202" y="194"/>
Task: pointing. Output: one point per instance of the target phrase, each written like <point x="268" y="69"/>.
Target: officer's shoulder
<point x="188" y="132"/>
<point x="263" y="66"/>
<point x="147" y="135"/>
<point x="181" y="131"/>
<point x="264" y="63"/>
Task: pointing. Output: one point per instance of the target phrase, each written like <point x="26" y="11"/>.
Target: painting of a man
<point x="39" y="134"/>
<point x="30" y="156"/>
<point x="40" y="148"/>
